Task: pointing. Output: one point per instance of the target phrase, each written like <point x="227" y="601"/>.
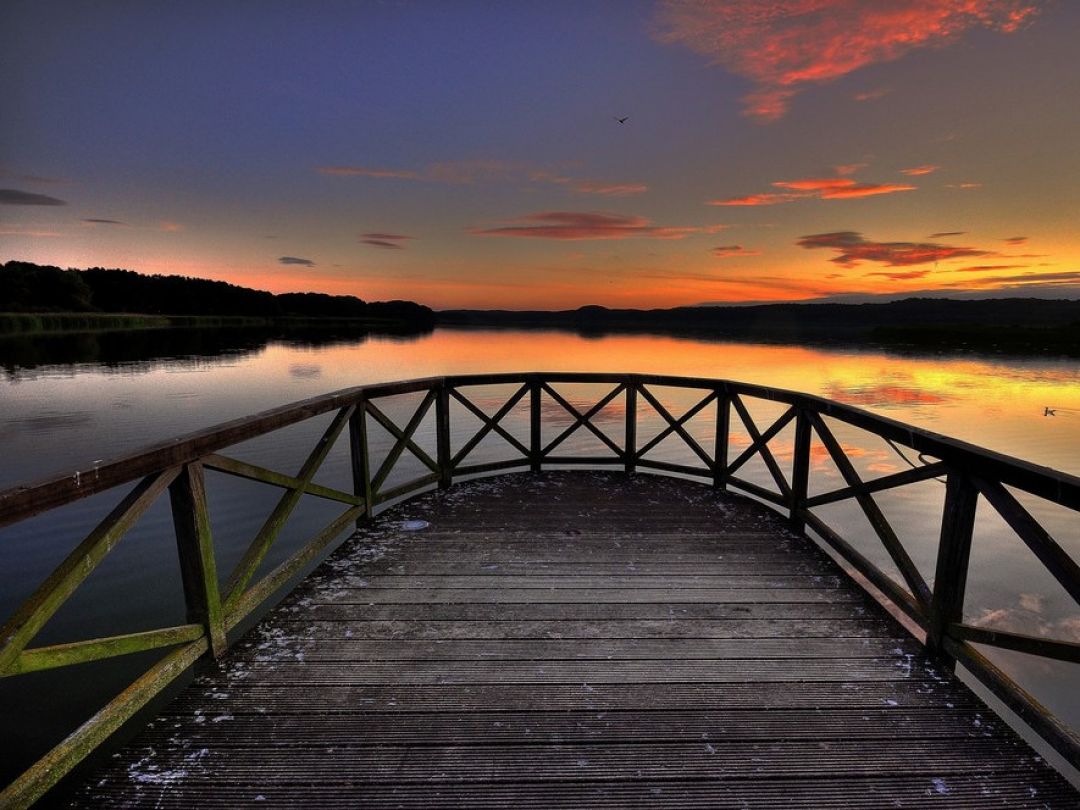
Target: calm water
<point x="68" y="404"/>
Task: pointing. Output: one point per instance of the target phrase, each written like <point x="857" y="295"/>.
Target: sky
<point x="548" y="155"/>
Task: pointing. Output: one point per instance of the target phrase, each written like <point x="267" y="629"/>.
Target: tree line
<point x="29" y="287"/>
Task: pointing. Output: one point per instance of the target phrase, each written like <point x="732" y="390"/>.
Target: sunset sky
<point x="468" y="154"/>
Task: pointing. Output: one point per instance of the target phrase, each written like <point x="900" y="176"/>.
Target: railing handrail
<point x="22" y="501"/>
<point x="177" y="466"/>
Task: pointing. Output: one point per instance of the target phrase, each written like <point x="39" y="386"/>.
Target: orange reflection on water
<point x="995" y="403"/>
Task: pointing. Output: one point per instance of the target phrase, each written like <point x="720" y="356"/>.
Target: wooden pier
<point x="554" y="638"/>
<point x="578" y="640"/>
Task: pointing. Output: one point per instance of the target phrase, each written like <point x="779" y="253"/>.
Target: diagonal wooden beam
<point x="253" y="472"/>
<point x="490" y="423"/>
<point x="873" y="513"/>
<point x="1053" y="557"/>
<point x="584" y="419"/>
<point x="899" y="479"/>
<point x="404" y="439"/>
<point x="759" y="443"/>
<point x="32" y="614"/>
<point x="270" y="529"/>
<point x="676" y="425"/>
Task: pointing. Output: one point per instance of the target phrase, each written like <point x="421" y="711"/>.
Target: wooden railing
<point x="178" y="467"/>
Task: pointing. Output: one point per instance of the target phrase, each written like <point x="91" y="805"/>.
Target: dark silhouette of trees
<point x="28" y="287"/>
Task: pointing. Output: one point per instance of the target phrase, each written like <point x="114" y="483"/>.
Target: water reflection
<point x="138" y="350"/>
<point x="64" y="405"/>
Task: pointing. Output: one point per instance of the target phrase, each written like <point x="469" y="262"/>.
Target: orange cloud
<point x="852" y="248"/>
<point x="982" y="268"/>
<point x="916" y="171"/>
<point x="730" y="251"/>
<point x="758" y="199"/>
<point x="900" y="275"/>
<point x="785" y="46"/>
<point x="964" y="186"/>
<point x="821" y="188"/>
<point x="576" y="225"/>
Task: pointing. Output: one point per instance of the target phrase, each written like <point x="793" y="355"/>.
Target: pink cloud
<point x="852" y="248"/>
<point x="916" y="171"/>
<point x="872" y="95"/>
<point x="783" y="47"/>
<point x="849" y="168"/>
<point x="575" y="225"/>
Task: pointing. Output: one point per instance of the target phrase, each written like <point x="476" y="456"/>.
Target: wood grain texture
<point x="578" y="639"/>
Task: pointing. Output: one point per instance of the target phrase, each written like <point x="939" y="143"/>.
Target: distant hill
<point x="1013" y="324"/>
<point x="28" y="287"/>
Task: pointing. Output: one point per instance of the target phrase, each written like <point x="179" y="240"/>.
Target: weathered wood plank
<point x="366" y="650"/>
<point x="741" y="670"/>
<point x="598" y="628"/>
<point x="213" y="698"/>
<point x="266" y="730"/>
<point x="623" y="642"/>
<point x="573" y="611"/>
<point x="958" y="791"/>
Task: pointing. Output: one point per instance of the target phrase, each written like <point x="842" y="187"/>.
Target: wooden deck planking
<point x="578" y="639"/>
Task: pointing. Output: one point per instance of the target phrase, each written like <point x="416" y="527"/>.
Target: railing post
<point x="534" y="425"/>
<point x="630" y="444"/>
<point x="195" y="547"/>
<point x="361" y="460"/>
<point x="954" y="551"/>
<point x="800" y="470"/>
<point x="720" y="451"/>
<point x="442" y="435"/>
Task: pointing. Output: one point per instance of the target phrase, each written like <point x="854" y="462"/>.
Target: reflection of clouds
<point x="614" y="411"/>
<point x="1028" y="618"/>
<point x="305" y="371"/>
<point x="884" y="395"/>
<point x="1032" y="602"/>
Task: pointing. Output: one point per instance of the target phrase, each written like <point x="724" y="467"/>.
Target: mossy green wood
<point x="50" y="769"/>
<point x="403" y="439"/>
<point x="249" y="563"/>
<point x="47" y="599"/>
<point x="253" y="472"/>
<point x="80" y="652"/>
<point x="195" y="549"/>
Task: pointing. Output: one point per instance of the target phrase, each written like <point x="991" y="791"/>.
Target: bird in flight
<point x="622" y="120"/>
<point x="1049" y="412"/>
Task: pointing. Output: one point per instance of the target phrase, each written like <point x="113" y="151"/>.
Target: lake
<point x="68" y="402"/>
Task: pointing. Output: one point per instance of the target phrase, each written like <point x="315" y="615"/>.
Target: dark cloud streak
<point x="12" y="196"/>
